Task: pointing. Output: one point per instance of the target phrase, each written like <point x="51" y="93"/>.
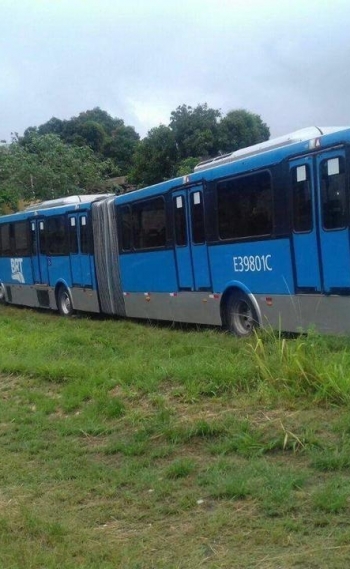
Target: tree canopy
<point x="63" y="157"/>
<point x="155" y="157"/>
<point x="108" y="137"/>
<point x="47" y="168"/>
<point x="198" y="133"/>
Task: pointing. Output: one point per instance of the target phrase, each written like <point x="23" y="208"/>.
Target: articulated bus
<point x="258" y="237"/>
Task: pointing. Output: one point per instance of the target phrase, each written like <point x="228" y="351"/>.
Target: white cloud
<point x="139" y="60"/>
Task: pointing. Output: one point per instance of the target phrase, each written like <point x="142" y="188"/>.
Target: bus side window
<point x="21" y="239"/>
<point x="149" y="224"/>
<point x="245" y="206"/>
<point x="84" y="236"/>
<point x="5" y="240"/>
<point x="42" y="237"/>
<point x="333" y="192"/>
<point x="125" y="216"/>
<point x="302" y="199"/>
<point x="197" y="217"/>
<point x="33" y="238"/>
<point x="56" y="235"/>
<point x="73" y="235"/>
<point x="180" y="221"/>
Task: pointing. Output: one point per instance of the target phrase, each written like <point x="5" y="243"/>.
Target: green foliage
<point x="180" y="468"/>
<point x="186" y="166"/>
<point x="155" y="158"/>
<point x="120" y="146"/>
<point x="305" y="366"/>
<point x="332" y="497"/>
<point x="63" y="157"/>
<point x="108" y="137"/>
<point x="195" y="130"/>
<point x="92" y="134"/>
<point x="112" y="457"/>
<point x="47" y="168"/>
<point x="239" y="129"/>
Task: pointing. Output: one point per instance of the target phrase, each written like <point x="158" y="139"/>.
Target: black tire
<point x="241" y="317"/>
<point x="2" y="294"/>
<point x="64" y="302"/>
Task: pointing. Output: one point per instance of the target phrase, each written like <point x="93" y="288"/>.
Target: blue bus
<point x="259" y="237"/>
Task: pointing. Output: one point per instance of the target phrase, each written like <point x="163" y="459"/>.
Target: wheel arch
<point x="234" y="288"/>
<point x="3" y="293"/>
<point x="62" y="284"/>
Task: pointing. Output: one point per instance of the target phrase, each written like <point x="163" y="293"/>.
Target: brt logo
<point x="16" y="270"/>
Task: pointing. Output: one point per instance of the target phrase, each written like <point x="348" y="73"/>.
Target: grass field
<point x="140" y="446"/>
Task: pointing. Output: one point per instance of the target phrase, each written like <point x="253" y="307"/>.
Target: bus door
<point x="190" y="246"/>
<point x="333" y="221"/>
<point x="304" y="226"/>
<point x="39" y="259"/>
<point x="79" y="250"/>
<point x="182" y="241"/>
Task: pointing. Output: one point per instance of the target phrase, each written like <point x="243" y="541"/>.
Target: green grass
<point x="136" y="445"/>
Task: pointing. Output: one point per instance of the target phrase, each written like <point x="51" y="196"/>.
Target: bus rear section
<point x="46" y="259"/>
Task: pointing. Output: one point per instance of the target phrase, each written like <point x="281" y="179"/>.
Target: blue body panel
<point x="41" y="269"/>
<point x="261" y="266"/>
<point x="152" y="271"/>
<point x="16" y="270"/>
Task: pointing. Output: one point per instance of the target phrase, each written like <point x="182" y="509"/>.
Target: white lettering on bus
<point x="252" y="263"/>
<point x="16" y="270"/>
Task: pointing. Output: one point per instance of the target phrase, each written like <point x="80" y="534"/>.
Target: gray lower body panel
<point x="300" y="313"/>
<point x="41" y="296"/>
<point x="191" y="307"/>
<point x="289" y="313"/>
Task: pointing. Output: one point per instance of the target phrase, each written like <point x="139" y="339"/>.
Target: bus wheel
<point x="2" y="294"/>
<point x="64" y="302"/>
<point x="241" y="318"/>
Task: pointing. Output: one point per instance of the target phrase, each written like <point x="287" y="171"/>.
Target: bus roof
<point x="301" y="135"/>
<point x="252" y="157"/>
<point x="68" y="200"/>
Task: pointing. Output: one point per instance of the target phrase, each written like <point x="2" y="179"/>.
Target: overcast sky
<point x="286" y="60"/>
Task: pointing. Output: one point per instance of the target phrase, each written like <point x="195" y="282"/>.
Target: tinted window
<point x="42" y="237"/>
<point x="148" y="220"/>
<point x="180" y="220"/>
<point x="302" y="199"/>
<point x="33" y="238"/>
<point x="197" y="217"/>
<point x="73" y="235"/>
<point x="5" y="240"/>
<point x="245" y="206"/>
<point x="56" y="235"/>
<point x="333" y="193"/>
<point x="21" y="238"/>
<point x="84" y="235"/>
<point x="125" y="216"/>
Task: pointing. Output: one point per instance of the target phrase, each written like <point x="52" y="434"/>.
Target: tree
<point x="107" y="136"/>
<point x="239" y="129"/>
<point x="99" y="116"/>
<point x="120" y="146"/>
<point x="186" y="166"/>
<point x="155" y="157"/>
<point x="93" y="135"/>
<point x="193" y="134"/>
<point x="195" y="130"/>
<point x="47" y="168"/>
